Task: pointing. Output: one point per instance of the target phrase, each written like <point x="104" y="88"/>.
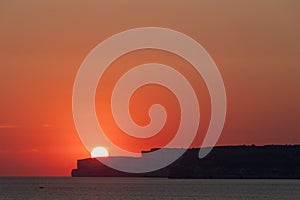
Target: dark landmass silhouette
<point x="257" y="162"/>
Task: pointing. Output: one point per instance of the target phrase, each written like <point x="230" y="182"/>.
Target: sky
<point x="255" y="45"/>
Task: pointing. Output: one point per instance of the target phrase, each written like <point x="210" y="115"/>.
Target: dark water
<point x="146" y="188"/>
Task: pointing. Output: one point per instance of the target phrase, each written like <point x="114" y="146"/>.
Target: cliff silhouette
<point x="261" y="162"/>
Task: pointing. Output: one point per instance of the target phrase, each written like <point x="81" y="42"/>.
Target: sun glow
<point x="99" y="152"/>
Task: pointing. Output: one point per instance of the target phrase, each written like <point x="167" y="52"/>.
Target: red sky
<point x="255" y="45"/>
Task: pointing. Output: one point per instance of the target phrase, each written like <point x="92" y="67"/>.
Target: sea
<point x="145" y="188"/>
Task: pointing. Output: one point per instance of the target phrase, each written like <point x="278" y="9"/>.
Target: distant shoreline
<point x="224" y="162"/>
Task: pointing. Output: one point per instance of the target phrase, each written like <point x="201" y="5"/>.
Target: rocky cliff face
<point x="223" y="162"/>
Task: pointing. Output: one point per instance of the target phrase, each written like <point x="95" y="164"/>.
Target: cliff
<point x="273" y="161"/>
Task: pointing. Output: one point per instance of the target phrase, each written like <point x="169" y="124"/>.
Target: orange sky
<point x="255" y="44"/>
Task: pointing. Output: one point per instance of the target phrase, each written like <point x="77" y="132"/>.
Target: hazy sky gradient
<point x="255" y="44"/>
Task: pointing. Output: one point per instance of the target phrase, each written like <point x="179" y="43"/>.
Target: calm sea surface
<point x="146" y="188"/>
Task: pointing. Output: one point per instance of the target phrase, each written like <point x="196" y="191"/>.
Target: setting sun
<point x="99" y="152"/>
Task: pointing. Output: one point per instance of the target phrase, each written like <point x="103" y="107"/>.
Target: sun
<point x="99" y="152"/>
